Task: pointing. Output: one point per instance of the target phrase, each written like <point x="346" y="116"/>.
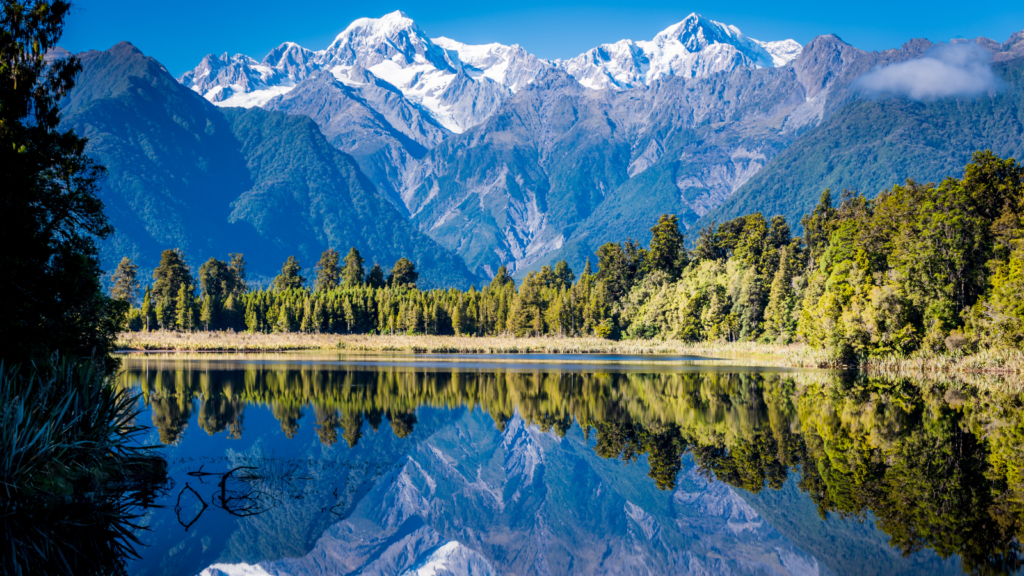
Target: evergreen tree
<point x="614" y="271"/>
<point x="184" y="309"/>
<point x="667" y="253"/>
<point x="501" y="278"/>
<point x="124" y="282"/>
<point x="231" y="314"/>
<point x="708" y="246"/>
<point x="172" y="272"/>
<point x="216" y="279"/>
<point x="403" y="274"/>
<point x="290" y="276"/>
<point x="206" y="313"/>
<point x="317" y="318"/>
<point x="148" y="311"/>
<point x="375" y="279"/>
<point x="353" y="273"/>
<point x="237" y="268"/>
<point x="165" y="315"/>
<point x="564" y="276"/>
<point x="819" y="225"/>
<point x="328" y="271"/>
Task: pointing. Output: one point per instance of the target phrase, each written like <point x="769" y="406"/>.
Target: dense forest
<point x="923" y="267"/>
<point x="934" y="466"/>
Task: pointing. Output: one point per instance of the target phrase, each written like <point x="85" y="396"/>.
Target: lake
<point x="471" y="464"/>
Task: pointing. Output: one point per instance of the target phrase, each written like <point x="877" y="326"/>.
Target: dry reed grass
<point x="747" y="353"/>
<point x="1004" y="362"/>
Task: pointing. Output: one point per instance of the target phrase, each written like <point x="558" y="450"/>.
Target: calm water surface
<point x="330" y="464"/>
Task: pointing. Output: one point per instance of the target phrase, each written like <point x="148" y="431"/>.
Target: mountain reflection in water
<point x="503" y="469"/>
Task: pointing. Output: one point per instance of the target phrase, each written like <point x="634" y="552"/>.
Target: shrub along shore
<point x="995" y="361"/>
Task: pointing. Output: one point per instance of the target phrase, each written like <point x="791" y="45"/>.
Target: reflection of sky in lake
<point x="466" y="492"/>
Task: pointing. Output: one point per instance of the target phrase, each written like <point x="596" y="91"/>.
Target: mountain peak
<point x="387" y="26"/>
<point x="692" y="27"/>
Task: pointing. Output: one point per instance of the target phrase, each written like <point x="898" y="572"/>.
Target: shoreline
<point x="753" y="354"/>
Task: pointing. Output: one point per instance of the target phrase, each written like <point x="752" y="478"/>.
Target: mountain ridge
<point x="183" y="173"/>
<point x="506" y="160"/>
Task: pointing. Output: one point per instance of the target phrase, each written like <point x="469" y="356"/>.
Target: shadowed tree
<point x="237" y="267"/>
<point x="124" y="282"/>
<point x="375" y="279"/>
<point x="50" y="215"/>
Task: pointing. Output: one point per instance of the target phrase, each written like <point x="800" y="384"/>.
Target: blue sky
<point x="180" y="33"/>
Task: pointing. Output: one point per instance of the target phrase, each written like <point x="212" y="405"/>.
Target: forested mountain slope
<point x="182" y="173"/>
<point x="552" y="171"/>
<point x="871" y="144"/>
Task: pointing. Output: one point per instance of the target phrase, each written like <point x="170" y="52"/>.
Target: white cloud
<point x="962" y="69"/>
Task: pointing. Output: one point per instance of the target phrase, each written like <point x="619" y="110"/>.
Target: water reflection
<point x="934" y="465"/>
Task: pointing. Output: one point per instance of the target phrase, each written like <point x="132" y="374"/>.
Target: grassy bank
<point x="747" y="353"/>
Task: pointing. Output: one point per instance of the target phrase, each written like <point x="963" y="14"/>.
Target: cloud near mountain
<point x="963" y="69"/>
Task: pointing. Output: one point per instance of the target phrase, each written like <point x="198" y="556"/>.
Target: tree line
<point x="933" y="267"/>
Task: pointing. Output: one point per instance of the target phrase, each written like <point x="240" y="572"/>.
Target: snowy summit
<point x="460" y="85"/>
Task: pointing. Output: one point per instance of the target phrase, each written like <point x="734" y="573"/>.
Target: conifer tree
<point x="165" y="313"/>
<point x="169" y="277"/>
<point x="667" y="253"/>
<point x="216" y="279"/>
<point x="206" y="313"/>
<point x="317" y="320"/>
<point x="230" y="313"/>
<point x="328" y="272"/>
<point x="290" y="276"/>
<point x="403" y="274"/>
<point x="375" y="279"/>
<point x="501" y="278"/>
<point x="353" y="273"/>
<point x="237" y="268"/>
<point x="252" y="317"/>
<point x="564" y="276"/>
<point x="148" y="313"/>
<point x="124" y="282"/>
<point x="184" y="304"/>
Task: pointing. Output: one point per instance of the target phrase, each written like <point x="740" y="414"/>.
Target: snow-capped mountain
<point x="461" y="85"/>
<point x="692" y="48"/>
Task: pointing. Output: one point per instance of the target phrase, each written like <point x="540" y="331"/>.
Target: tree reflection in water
<point x="937" y="463"/>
